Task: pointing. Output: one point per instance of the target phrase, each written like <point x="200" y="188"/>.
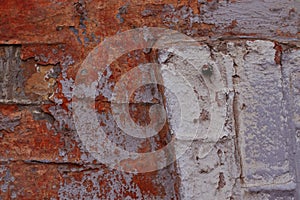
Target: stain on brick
<point x="11" y="79"/>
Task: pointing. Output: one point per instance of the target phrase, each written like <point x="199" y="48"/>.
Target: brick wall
<point x="227" y="73"/>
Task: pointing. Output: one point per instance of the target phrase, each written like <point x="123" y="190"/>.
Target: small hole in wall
<point x="243" y="106"/>
<point x="207" y="70"/>
<point x="219" y="152"/>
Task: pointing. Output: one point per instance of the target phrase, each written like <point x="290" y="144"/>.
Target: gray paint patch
<point x="11" y="80"/>
<point x="260" y="17"/>
<point x="9" y="124"/>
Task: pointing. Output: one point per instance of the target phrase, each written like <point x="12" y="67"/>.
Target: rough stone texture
<point x="242" y="99"/>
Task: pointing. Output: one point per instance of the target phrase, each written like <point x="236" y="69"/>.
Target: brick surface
<point x="242" y="99"/>
<point x="265" y="142"/>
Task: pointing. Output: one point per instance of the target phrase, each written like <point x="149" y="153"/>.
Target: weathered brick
<point x="252" y="150"/>
<point x="36" y="21"/>
<point x="99" y="183"/>
<point x="24" y="82"/>
<point x="21" y="180"/>
<point x="264" y="141"/>
<point x="291" y="77"/>
<point x="11" y="83"/>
